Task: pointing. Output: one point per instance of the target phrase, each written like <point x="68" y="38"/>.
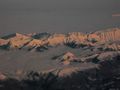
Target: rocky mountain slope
<point x="107" y="39"/>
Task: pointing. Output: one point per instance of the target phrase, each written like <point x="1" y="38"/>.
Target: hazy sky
<point x="26" y="16"/>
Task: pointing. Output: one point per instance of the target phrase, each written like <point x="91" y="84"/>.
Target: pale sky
<point x="26" y="16"/>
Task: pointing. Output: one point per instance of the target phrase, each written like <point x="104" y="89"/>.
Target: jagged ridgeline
<point x="102" y="40"/>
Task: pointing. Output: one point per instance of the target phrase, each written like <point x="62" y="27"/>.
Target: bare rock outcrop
<point x="108" y="39"/>
<point x="56" y="39"/>
<point x="3" y="42"/>
<point x="67" y="58"/>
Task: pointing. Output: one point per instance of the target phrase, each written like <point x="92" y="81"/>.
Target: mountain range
<point x="107" y="39"/>
<point x="58" y="53"/>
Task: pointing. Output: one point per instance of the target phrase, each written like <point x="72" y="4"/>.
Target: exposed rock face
<point x="76" y="36"/>
<point x="3" y="42"/>
<point x="56" y="39"/>
<point x="16" y="40"/>
<point x="67" y="58"/>
<point x="19" y="40"/>
<point x="109" y="39"/>
<point x="34" y="42"/>
<point x="89" y="58"/>
<point x="100" y="57"/>
<point x="108" y="35"/>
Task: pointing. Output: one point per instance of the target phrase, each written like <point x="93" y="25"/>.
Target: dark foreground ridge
<point x="105" y="77"/>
